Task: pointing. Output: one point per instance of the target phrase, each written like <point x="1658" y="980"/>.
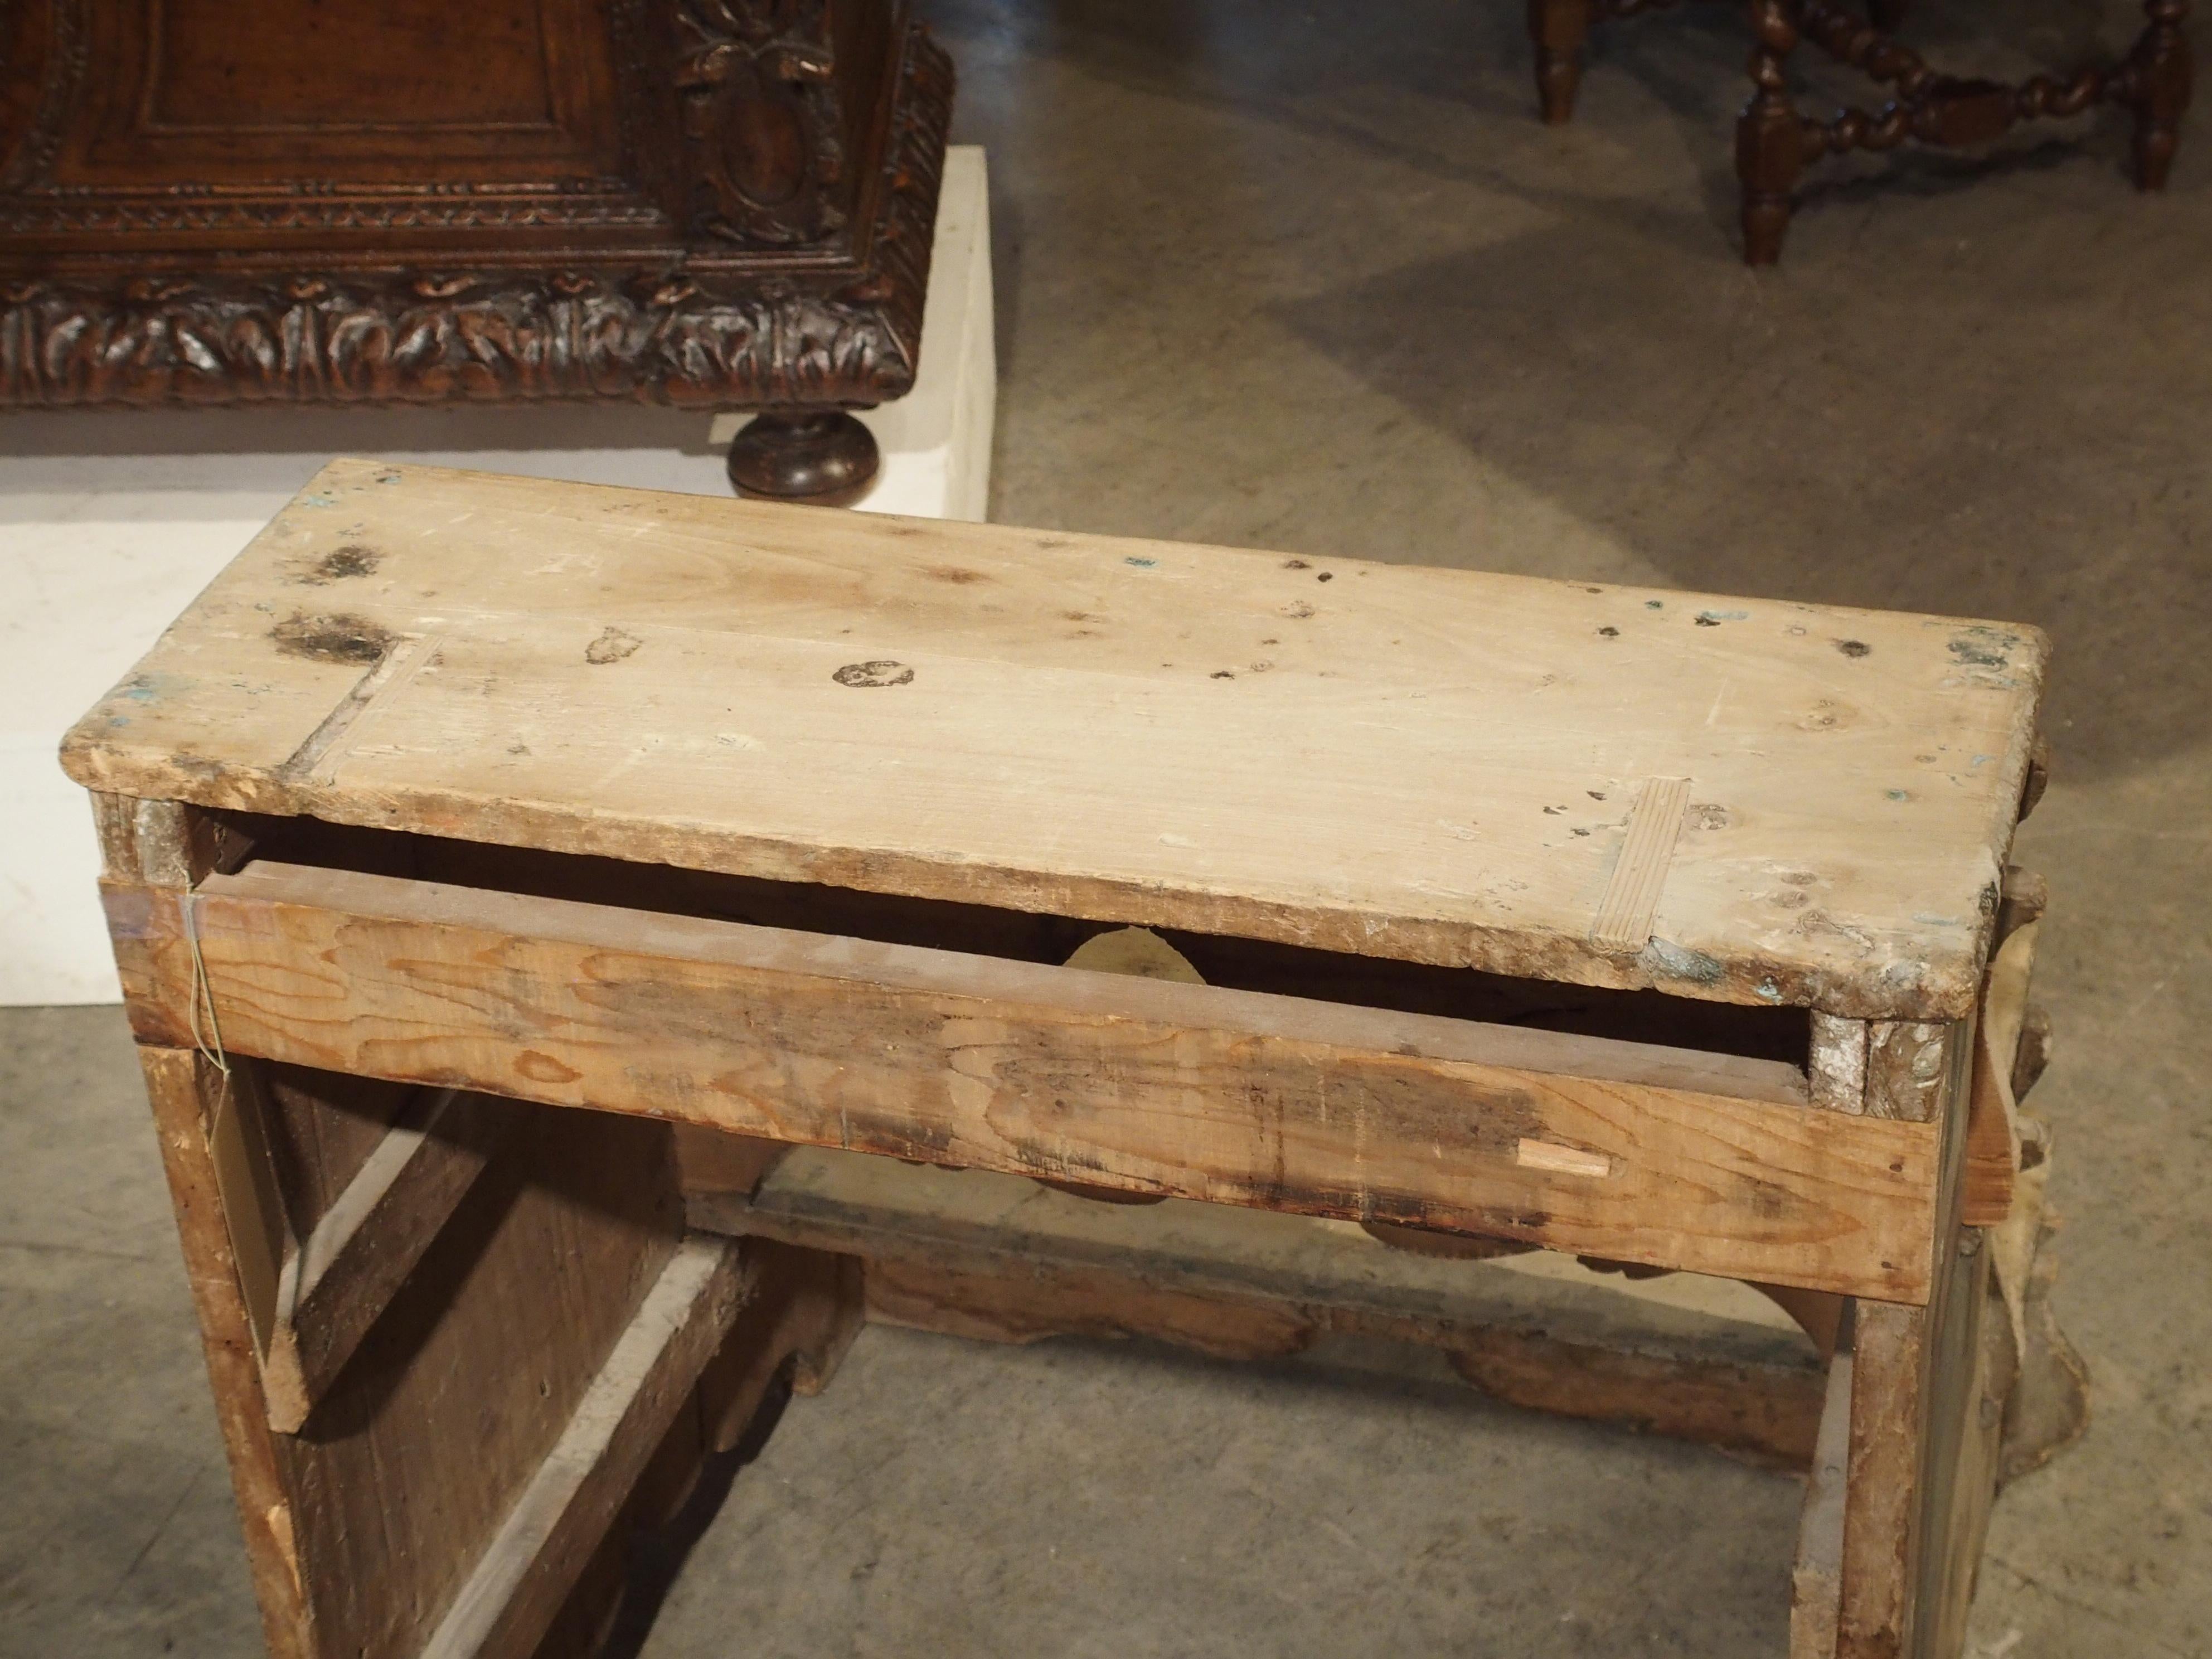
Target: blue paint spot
<point x="1980" y="646"/>
<point x="145" y="688"/>
<point x="1715" y="618"/>
<point x="1900" y="794"/>
<point x="1770" y="990"/>
<point x="319" y="500"/>
<point x="1680" y="961"/>
<point x="1141" y="564"/>
<point x="1654" y="605"/>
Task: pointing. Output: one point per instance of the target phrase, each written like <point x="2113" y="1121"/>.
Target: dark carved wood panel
<point x="711" y="203"/>
<point x="483" y="65"/>
<point x="765" y="141"/>
<point x="187" y="93"/>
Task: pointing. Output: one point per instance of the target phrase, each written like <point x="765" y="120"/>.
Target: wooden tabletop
<point x="1746" y="800"/>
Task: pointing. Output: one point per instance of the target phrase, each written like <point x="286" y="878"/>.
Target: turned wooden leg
<point x="1770" y="138"/>
<point x="2161" y="73"/>
<point x="1559" y="30"/>
<point x="822" y="456"/>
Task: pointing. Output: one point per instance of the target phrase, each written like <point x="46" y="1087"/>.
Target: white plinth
<point x="111" y="521"/>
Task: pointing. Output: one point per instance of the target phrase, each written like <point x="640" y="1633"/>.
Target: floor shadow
<point x="1306" y="72"/>
<point x="1963" y="441"/>
<point x="1990" y="406"/>
<point x="1294" y="67"/>
<point x="1985" y="408"/>
<point x="656" y="1556"/>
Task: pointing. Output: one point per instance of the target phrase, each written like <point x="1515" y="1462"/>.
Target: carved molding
<point x="429" y="340"/>
<point x="34" y="162"/>
<point x="588" y="206"/>
<point x="764" y="129"/>
<point x="683" y="336"/>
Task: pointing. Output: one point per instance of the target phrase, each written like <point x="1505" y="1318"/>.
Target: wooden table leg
<point x="1770" y="138"/>
<point x="2162" y="71"/>
<point x="186" y="1092"/>
<point x="1915" y="1487"/>
<point x="1559" y="31"/>
<point x="1886" y="1471"/>
<point x="163" y="845"/>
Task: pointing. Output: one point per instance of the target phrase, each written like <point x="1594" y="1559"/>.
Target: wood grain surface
<point x="1678" y="1159"/>
<point x="1431" y="764"/>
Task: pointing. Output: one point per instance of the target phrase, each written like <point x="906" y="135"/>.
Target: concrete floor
<point x="1310" y="276"/>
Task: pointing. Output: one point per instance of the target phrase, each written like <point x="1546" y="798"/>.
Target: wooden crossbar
<point x="1668" y="1157"/>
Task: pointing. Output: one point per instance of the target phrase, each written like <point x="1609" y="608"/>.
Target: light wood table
<point x="1648" y="927"/>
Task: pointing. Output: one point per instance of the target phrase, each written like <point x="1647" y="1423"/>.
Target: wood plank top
<point x="1437" y="765"/>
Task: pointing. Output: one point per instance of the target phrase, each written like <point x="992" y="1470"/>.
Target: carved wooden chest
<point x="722" y="203"/>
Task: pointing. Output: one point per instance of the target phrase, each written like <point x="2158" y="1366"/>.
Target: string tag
<point x="203" y="992"/>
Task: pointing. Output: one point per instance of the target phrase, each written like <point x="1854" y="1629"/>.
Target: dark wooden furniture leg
<point x="1770" y="138"/>
<point x="1774" y="143"/>
<point x="2160" y="74"/>
<point x="823" y="457"/>
<point x="1559" y="29"/>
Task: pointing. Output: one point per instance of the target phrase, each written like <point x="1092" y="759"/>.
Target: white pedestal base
<point x="111" y="521"/>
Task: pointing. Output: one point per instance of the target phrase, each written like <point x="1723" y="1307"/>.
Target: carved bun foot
<point x="821" y="457"/>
